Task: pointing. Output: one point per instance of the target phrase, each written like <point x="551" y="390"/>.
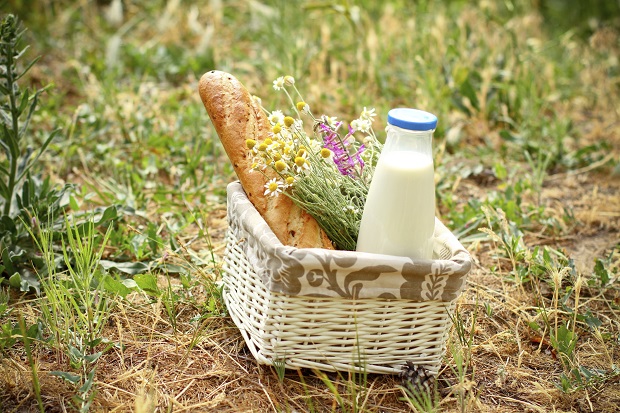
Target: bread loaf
<point x="236" y="117"/>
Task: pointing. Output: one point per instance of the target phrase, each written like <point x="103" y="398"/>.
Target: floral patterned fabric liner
<point x="316" y="272"/>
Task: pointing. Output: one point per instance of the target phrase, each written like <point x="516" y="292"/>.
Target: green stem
<point x="35" y="376"/>
<point x="15" y="118"/>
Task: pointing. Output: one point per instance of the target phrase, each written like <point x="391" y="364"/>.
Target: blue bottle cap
<point x="412" y="119"/>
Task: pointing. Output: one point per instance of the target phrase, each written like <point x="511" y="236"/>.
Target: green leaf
<point x="39" y="153"/>
<point x="34" y="331"/>
<point x="172" y="268"/>
<point x="592" y="321"/>
<point x="130" y="268"/>
<point x="88" y="383"/>
<point x="91" y="358"/>
<point x="12" y="142"/>
<point x="114" y="286"/>
<point x="469" y="92"/>
<point x="500" y="171"/>
<point x="15" y="280"/>
<point x="73" y="204"/>
<point x="601" y="272"/>
<point x="4" y="190"/>
<point x="564" y="342"/>
<point x="109" y="214"/>
<point x="75" y="353"/>
<point x="8" y="335"/>
<point x="7" y="224"/>
<point x="147" y="283"/>
<point x="29" y="281"/>
<point x="70" y="377"/>
<point x="33" y="106"/>
<point x="534" y="325"/>
<point x="24" y="102"/>
<point x="130" y="283"/>
<point x="28" y="67"/>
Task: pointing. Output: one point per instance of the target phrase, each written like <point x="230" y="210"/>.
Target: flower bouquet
<point x="326" y="172"/>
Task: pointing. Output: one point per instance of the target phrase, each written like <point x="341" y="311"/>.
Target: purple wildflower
<point x="348" y="164"/>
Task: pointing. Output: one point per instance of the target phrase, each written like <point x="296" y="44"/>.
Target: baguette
<point x="236" y="117"/>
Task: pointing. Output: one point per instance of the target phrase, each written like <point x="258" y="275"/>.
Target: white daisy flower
<point x="315" y="145"/>
<point x="278" y="84"/>
<point x="298" y="125"/>
<point x="368" y="114"/>
<point x="276" y="117"/>
<point x="329" y="120"/>
<point x="257" y="100"/>
<point x="301" y="163"/>
<point x="274" y="187"/>
<point x="362" y="125"/>
<point x="326" y="154"/>
<point x="290" y="182"/>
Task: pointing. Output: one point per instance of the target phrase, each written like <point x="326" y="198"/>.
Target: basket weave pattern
<point x="330" y="320"/>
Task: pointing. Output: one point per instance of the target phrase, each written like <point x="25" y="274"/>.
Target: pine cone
<point x="417" y="378"/>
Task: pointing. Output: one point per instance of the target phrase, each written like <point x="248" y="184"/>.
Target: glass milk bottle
<point x="399" y="215"/>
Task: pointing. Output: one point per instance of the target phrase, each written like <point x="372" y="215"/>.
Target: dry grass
<point x="201" y="363"/>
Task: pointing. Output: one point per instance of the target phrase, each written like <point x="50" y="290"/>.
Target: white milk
<point x="399" y="215"/>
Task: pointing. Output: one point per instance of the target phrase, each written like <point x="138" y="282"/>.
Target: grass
<point x="527" y="158"/>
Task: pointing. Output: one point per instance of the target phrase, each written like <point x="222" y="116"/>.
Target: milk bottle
<point x="399" y="214"/>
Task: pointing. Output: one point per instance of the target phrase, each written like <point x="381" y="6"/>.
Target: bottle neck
<point x="399" y="139"/>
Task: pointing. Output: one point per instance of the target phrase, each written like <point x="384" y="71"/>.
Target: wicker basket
<point x="337" y="310"/>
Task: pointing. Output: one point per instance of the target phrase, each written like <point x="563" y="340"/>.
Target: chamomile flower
<point x="301" y="164"/>
<point x="322" y="157"/>
<point x="290" y="181"/>
<point x="276" y="155"/>
<point x="276" y="117"/>
<point x="274" y="187"/>
<point x="258" y="165"/>
<point x="350" y="209"/>
<point x="330" y="121"/>
<point x="362" y="125"/>
<point x="287" y="150"/>
<point x="298" y="125"/>
<point x="280" y="165"/>
<point x="278" y="84"/>
<point x="289" y="121"/>
<point x="303" y="107"/>
<point x="349" y="140"/>
<point x="314" y="145"/>
<point x="261" y="147"/>
<point x="368" y="114"/>
<point x="250" y="143"/>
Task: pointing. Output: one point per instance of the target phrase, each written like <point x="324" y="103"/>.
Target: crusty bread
<point x="236" y="117"/>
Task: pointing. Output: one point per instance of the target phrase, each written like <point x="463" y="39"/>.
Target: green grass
<point x="130" y="315"/>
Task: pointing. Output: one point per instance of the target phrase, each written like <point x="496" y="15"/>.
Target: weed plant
<point x="27" y="200"/>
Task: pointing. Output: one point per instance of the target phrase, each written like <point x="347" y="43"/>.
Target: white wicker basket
<point x="315" y="308"/>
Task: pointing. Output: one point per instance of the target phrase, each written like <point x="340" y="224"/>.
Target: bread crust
<point x="236" y="117"/>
